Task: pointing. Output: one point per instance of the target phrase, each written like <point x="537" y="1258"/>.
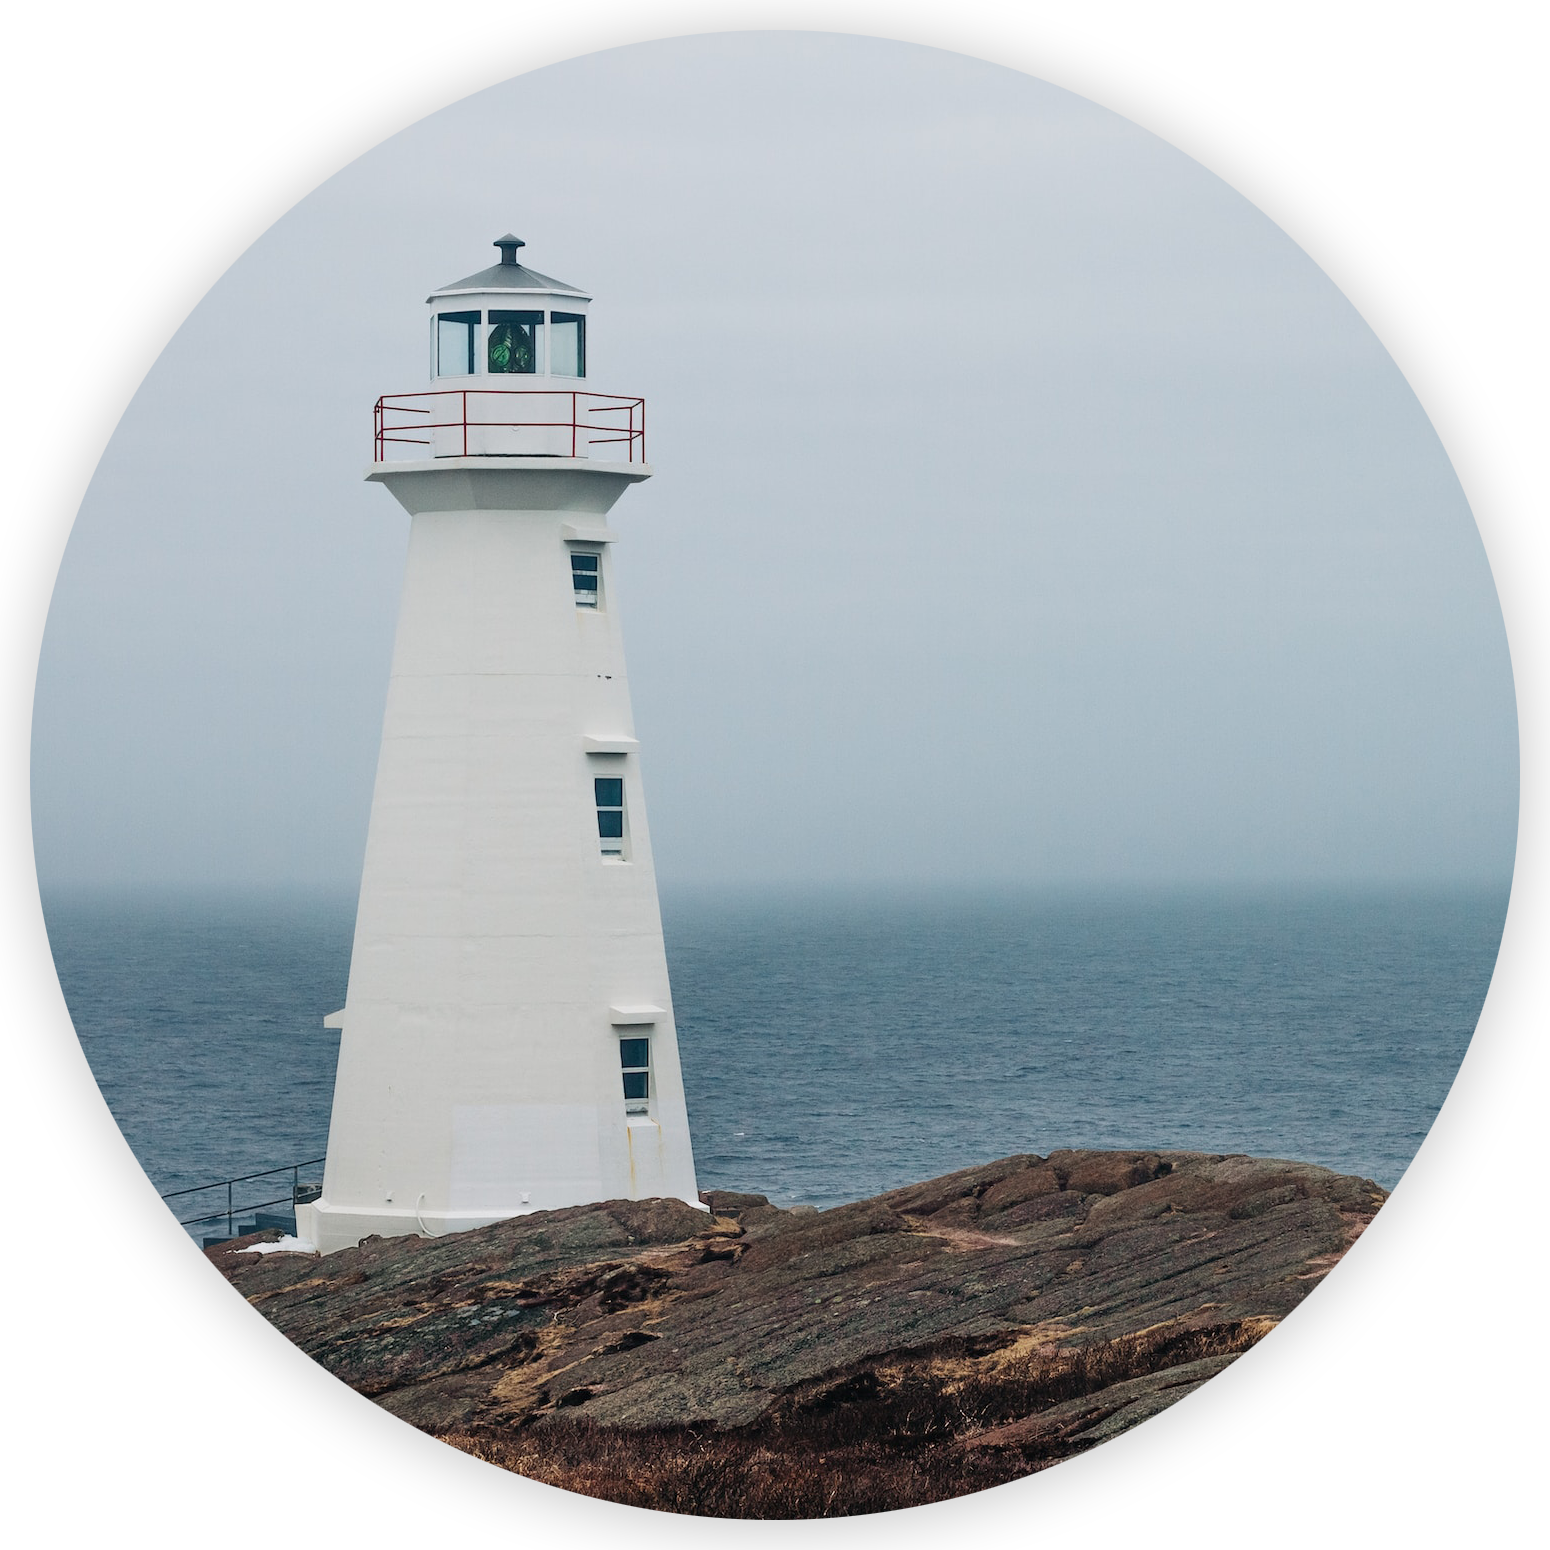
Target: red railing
<point x="596" y="420"/>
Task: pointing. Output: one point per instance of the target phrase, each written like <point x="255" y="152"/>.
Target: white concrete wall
<point x="479" y="1072"/>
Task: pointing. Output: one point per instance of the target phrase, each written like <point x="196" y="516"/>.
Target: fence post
<point x="229" y="1230"/>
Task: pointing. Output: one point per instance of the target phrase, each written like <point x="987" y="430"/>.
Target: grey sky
<point x="1028" y="507"/>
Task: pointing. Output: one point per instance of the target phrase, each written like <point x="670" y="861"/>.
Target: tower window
<point x="455" y="343"/>
<point x="568" y="344"/>
<point x="516" y="343"/>
<point x="635" y="1062"/>
<point x="584" y="569"/>
<point x="609" y="791"/>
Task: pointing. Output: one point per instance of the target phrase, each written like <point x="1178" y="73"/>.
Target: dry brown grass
<point x="856" y="1443"/>
<point x="863" y="1442"/>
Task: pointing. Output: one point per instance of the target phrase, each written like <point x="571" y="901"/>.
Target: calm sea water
<point x="835" y="1046"/>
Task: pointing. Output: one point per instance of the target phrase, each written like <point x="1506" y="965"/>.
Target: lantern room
<point x="507" y="323"/>
<point x="509" y="376"/>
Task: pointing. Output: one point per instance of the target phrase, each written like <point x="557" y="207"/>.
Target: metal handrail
<point x="631" y="432"/>
<point x="232" y="1211"/>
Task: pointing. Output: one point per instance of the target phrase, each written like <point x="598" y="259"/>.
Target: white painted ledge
<point x="588" y="533"/>
<point x="496" y="463"/>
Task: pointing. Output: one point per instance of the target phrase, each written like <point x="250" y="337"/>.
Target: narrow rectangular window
<point x="568" y="342"/>
<point x="516" y="345"/>
<point x="609" y="791"/>
<point x="635" y="1063"/>
<point x="584" y="569"/>
<point x="455" y="343"/>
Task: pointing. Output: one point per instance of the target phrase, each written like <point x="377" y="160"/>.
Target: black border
<point x="1243" y="1395"/>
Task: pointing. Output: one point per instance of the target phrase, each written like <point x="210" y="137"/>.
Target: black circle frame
<point x="1329" y="1321"/>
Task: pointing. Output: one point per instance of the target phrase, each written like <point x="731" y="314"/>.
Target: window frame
<point x="580" y="320"/>
<point x="473" y="322"/>
<point x="612" y="847"/>
<point x="637" y="1103"/>
<point x="586" y="551"/>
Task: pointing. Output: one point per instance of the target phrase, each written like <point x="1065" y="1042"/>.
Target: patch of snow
<point x="286" y="1245"/>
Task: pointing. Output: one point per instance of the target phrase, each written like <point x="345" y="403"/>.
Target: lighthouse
<point x="507" y="1041"/>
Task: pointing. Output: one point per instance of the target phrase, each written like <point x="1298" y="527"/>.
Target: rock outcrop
<point x="771" y="1363"/>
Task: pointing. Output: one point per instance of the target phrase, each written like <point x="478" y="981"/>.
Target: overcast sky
<point x="1029" y="508"/>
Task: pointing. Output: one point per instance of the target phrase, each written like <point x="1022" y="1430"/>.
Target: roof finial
<point x="508" y="246"/>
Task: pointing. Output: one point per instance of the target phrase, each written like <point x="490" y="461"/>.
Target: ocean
<point x="835" y="1045"/>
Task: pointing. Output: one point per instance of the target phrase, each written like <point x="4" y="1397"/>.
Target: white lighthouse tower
<point x="507" y="1039"/>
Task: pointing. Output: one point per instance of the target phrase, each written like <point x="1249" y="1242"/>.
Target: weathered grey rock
<point x="1045" y="1303"/>
<point x="1111" y="1410"/>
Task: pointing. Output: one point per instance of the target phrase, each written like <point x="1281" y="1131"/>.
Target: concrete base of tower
<point x="330" y="1228"/>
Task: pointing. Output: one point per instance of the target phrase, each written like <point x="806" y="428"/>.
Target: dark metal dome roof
<point x="508" y="275"/>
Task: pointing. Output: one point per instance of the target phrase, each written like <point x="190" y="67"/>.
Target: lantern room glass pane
<point x="455" y="343"/>
<point x="567" y="344"/>
<point x="516" y="343"/>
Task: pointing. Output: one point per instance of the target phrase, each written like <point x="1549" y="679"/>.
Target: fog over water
<point x="1029" y="508"/>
